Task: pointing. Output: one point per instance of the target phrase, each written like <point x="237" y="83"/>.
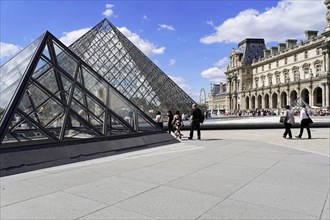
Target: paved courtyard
<point x="229" y="174"/>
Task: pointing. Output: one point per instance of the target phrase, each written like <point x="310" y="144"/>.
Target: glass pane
<point x="11" y="72"/>
<point x="50" y="114"/>
<point x="41" y="67"/>
<point x="48" y="80"/>
<point x="144" y="125"/>
<point x="64" y="60"/>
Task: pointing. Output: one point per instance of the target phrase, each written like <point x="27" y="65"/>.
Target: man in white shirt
<point x="304" y="122"/>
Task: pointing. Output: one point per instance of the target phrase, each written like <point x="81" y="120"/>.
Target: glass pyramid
<point x="49" y="95"/>
<point x="120" y="62"/>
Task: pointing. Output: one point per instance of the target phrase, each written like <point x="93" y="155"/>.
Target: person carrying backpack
<point x="196" y="119"/>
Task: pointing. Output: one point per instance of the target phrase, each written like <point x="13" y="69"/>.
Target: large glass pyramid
<point x="120" y="62"/>
<point x="49" y="95"/>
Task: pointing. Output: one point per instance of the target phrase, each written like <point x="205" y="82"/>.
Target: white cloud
<point x="222" y="62"/>
<point x="70" y="37"/>
<point x="8" y="50"/>
<point x="166" y="27"/>
<point x="181" y="82"/>
<point x="108" y="11"/>
<point x="144" y="45"/>
<point x="172" y="62"/>
<point x="216" y="74"/>
<point x="287" y="20"/>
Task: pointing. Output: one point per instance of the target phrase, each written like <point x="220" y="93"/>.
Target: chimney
<point x="281" y="47"/>
<point x="273" y="51"/>
<point x="290" y="43"/>
<point x="266" y="53"/>
<point x="310" y="34"/>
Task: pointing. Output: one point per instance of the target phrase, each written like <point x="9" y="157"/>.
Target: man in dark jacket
<point x="195" y="120"/>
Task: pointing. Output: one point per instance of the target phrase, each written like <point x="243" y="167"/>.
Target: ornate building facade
<point x="262" y="78"/>
<point x="217" y="98"/>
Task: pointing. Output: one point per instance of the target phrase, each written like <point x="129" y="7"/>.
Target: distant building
<point x="202" y="96"/>
<point x="258" y="77"/>
<point x="217" y="98"/>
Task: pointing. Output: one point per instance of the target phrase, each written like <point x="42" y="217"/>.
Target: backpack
<point x="202" y="118"/>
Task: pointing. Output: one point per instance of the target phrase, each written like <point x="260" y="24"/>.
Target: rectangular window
<point x="286" y="61"/>
<point x="277" y="63"/>
<point x="306" y="72"/>
<point x="296" y="75"/>
<point x="318" y="51"/>
<point x="262" y="68"/>
<point x="306" y="54"/>
<point x="270" y="66"/>
<point x="295" y="58"/>
<point x="318" y="68"/>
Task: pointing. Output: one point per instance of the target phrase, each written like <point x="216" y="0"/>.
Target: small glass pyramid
<point x="49" y="95"/>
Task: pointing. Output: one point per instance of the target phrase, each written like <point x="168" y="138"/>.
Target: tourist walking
<point x="159" y="119"/>
<point x="288" y="122"/>
<point x="177" y="123"/>
<point x="170" y="121"/>
<point x="304" y="122"/>
<point x="195" y="120"/>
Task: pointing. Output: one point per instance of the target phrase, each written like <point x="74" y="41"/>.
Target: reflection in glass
<point x="122" y="64"/>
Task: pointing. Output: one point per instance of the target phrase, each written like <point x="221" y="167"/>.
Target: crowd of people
<point x="175" y="122"/>
<point x="263" y="112"/>
<point x="196" y="118"/>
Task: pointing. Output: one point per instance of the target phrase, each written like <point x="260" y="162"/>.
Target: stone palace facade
<point x="270" y="78"/>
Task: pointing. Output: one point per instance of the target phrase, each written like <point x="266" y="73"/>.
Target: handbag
<point x="282" y="119"/>
<point x="310" y="121"/>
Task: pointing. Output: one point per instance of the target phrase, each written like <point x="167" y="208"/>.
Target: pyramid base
<point x="29" y="158"/>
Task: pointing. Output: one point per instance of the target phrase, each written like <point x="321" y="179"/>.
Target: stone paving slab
<point x="250" y="174"/>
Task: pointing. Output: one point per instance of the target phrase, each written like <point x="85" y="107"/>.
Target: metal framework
<point x="48" y="95"/>
<point x="113" y="56"/>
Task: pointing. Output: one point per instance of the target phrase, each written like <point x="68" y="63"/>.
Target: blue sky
<point x="189" y="40"/>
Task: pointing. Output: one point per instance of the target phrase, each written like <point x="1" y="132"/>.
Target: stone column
<point x="227" y="104"/>
<point x="234" y="102"/>
<point x="327" y="95"/>
<point x="250" y="102"/>
<point x="234" y="85"/>
<point x="311" y="98"/>
<point x="326" y="64"/>
<point x="323" y="94"/>
<point x="229" y="86"/>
